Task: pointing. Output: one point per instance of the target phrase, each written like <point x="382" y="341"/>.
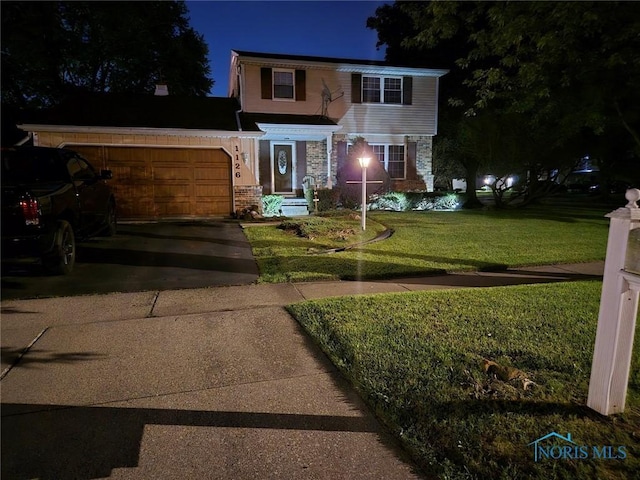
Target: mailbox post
<point x="618" y="310"/>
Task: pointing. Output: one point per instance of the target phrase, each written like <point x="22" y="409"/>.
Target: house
<point x="288" y="120"/>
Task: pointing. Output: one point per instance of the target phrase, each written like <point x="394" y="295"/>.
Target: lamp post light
<point x="364" y="163"/>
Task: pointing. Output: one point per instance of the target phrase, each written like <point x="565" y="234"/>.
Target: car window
<point x="80" y="170"/>
<point x="32" y="166"/>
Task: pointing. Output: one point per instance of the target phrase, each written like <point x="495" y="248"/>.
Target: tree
<point x="568" y="70"/>
<point x="124" y="47"/>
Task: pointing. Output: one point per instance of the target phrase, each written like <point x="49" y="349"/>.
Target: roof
<point x="342" y="61"/>
<point x="140" y="111"/>
<point x="249" y="120"/>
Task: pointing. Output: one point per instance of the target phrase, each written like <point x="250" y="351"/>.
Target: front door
<point x="283" y="166"/>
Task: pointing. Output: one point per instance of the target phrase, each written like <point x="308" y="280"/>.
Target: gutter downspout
<point x="24" y="140"/>
<point x="329" y="152"/>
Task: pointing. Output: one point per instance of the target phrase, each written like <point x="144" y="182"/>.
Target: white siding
<point x="419" y="118"/>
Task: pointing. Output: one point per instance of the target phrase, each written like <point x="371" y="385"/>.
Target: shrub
<point x="272" y="205"/>
<point x="404" y="201"/>
<point x="328" y="199"/>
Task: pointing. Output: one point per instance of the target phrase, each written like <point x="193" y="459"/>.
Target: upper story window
<point x="371" y="89"/>
<point x="283" y="84"/>
<point x="381" y="89"/>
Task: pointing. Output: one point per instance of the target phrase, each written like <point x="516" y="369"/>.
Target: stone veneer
<point x="247" y="195"/>
<point x="317" y="161"/>
<point x="424" y="160"/>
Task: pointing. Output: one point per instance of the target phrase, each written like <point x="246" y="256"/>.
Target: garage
<point x="154" y="182"/>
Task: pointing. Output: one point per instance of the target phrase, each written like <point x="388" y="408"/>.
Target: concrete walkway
<point x="216" y="383"/>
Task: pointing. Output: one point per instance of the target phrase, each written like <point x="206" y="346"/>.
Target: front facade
<point x="286" y="125"/>
<point x="311" y="108"/>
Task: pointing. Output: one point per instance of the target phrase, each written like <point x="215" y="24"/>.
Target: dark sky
<point x="298" y="27"/>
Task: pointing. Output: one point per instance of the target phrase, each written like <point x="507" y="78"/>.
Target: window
<point x="382" y="90"/>
<point x="283" y="84"/>
<point x="393" y="90"/>
<point x="395" y="161"/>
<point x="370" y="89"/>
<point x="390" y="156"/>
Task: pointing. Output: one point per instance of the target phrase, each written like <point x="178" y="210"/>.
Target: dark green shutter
<point x="301" y="90"/>
<point x="407" y="87"/>
<point x="266" y="82"/>
<point x="356" y="88"/>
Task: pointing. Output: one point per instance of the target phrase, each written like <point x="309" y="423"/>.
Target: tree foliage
<point x="532" y="83"/>
<point x="53" y="48"/>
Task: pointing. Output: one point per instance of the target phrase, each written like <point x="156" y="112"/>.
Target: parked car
<point x="50" y="198"/>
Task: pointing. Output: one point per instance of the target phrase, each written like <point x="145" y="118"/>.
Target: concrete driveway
<point x="146" y="256"/>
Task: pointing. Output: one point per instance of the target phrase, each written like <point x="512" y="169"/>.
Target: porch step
<point x="294" y="207"/>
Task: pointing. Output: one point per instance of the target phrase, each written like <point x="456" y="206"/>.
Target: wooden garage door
<point x="166" y="182"/>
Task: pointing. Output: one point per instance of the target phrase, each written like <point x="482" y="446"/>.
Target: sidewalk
<point x="207" y="383"/>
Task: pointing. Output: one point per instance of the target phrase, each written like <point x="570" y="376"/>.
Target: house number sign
<point x="236" y="165"/>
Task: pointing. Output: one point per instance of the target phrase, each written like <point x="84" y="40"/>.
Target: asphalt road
<point x="145" y="256"/>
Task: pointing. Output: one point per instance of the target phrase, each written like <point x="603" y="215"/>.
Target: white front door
<point x="283" y="167"/>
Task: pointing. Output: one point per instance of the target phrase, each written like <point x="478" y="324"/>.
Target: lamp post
<point x="364" y="163"/>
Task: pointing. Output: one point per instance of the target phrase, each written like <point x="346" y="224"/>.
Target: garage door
<point x="165" y="182"/>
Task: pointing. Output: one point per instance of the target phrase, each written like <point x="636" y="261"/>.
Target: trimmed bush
<point x="272" y="205"/>
<point x="404" y="201"/>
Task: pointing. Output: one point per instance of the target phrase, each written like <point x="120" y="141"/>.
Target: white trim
<point x="294" y="166"/>
<point x="70" y="145"/>
<point x="342" y="66"/>
<point x="280" y="131"/>
<point x="381" y="89"/>
<point x="181" y="132"/>
<point x="273" y="84"/>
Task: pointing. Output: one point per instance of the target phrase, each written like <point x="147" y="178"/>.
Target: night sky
<point x="326" y="28"/>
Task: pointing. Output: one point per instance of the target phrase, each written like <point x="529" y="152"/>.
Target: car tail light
<point x="30" y="211"/>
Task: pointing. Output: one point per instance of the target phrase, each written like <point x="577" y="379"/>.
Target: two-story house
<point x="287" y="119"/>
<point x="309" y="108"/>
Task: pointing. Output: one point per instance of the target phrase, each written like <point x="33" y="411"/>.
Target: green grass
<point x="416" y="358"/>
<point x="437" y="242"/>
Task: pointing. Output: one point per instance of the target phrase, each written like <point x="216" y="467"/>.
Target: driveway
<point x="146" y="256"/>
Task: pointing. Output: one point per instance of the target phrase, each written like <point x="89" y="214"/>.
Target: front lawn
<point x="418" y="359"/>
<point x="437" y="242"/>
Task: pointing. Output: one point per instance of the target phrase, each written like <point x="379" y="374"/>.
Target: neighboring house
<point x="287" y="119"/>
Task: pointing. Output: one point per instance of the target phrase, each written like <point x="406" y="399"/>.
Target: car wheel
<point x="63" y="257"/>
<point x="111" y="221"/>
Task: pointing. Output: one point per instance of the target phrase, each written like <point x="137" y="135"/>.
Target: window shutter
<point x="266" y="82"/>
<point x="301" y="90"/>
<point x="407" y="87"/>
<point x="264" y="156"/>
<point x="412" y="155"/>
<point x="356" y="88"/>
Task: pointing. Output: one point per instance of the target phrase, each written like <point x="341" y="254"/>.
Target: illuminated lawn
<point x="436" y="242"/>
<point x="417" y="359"/>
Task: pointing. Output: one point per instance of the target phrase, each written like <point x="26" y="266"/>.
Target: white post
<point x="617" y="317"/>
<point x="364" y="198"/>
<point x="364" y="163"/>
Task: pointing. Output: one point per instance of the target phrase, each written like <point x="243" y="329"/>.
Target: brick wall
<point x="247" y="195"/>
<point x="424" y="160"/>
<point x="317" y="161"/>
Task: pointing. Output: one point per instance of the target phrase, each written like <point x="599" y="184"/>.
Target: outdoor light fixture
<point x="245" y="157"/>
<point x="364" y="163"/>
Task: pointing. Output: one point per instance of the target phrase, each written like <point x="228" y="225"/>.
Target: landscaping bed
<point x="432" y="366"/>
